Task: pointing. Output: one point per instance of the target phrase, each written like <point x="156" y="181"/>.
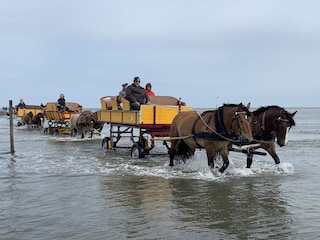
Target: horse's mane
<point x="86" y="113"/>
<point x="263" y="109"/>
<point x="244" y="108"/>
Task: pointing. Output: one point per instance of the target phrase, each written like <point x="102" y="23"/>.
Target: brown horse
<point x="81" y="123"/>
<point x="38" y="119"/>
<point x="97" y="124"/>
<point x="27" y="118"/>
<point x="211" y="130"/>
<point x="270" y="123"/>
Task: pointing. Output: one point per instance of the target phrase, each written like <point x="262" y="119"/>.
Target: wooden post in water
<point x="11" y="127"/>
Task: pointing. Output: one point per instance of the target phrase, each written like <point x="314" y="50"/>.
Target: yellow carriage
<point x="152" y="122"/>
<point x="34" y="109"/>
<point x="59" y="121"/>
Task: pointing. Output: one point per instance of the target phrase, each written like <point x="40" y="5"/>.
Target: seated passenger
<point x="121" y="95"/>
<point x="61" y="103"/>
<point x="148" y="89"/>
<point x="136" y="95"/>
<point x="21" y="105"/>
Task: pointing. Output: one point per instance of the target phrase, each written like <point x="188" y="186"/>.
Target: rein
<point x="221" y="136"/>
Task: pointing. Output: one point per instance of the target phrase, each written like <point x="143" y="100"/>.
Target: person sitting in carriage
<point x="21" y="105"/>
<point x="121" y="95"/>
<point x="148" y="90"/>
<point x="136" y="95"/>
<point x="61" y="103"/>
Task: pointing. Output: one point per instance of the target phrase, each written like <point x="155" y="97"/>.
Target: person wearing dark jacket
<point x="136" y="95"/>
<point x="61" y="103"/>
<point x="21" y="105"/>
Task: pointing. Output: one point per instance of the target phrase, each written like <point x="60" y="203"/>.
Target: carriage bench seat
<point x="110" y="102"/>
<point x="165" y="100"/>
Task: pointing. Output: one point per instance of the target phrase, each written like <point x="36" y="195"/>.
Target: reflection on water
<point x="242" y="208"/>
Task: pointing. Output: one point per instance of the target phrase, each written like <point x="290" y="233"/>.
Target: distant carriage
<point x="59" y="121"/>
<point x="31" y="116"/>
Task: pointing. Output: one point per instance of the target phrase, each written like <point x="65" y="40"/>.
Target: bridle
<point x="277" y="121"/>
<point x="236" y="118"/>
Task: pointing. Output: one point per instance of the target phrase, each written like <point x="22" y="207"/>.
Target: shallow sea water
<point x="58" y="187"/>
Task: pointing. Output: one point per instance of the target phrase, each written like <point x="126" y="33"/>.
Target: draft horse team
<point x="231" y="124"/>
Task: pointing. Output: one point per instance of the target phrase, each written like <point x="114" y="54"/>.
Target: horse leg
<point x="225" y="164"/>
<point x="224" y="154"/>
<point x="271" y="149"/>
<point x="172" y="152"/>
<point x="210" y="156"/>
<point x="249" y="160"/>
<point x="211" y="162"/>
<point x="82" y="134"/>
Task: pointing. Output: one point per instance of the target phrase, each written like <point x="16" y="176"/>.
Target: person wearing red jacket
<point x="148" y="90"/>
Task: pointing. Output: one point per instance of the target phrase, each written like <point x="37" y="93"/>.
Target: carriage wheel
<point x="106" y="143"/>
<point x="137" y="151"/>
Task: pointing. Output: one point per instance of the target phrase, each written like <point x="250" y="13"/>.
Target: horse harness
<point x="262" y="136"/>
<point x="221" y="133"/>
<point x="84" y="124"/>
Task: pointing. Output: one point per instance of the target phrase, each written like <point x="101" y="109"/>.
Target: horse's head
<point x="40" y="118"/>
<point x="27" y="118"/>
<point x="282" y="123"/>
<point x="89" y="119"/>
<point x="238" y="117"/>
<point x="273" y="122"/>
<point x="97" y="124"/>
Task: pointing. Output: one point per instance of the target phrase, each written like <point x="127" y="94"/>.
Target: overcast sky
<point x="207" y="52"/>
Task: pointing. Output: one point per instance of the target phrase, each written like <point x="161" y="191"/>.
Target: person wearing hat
<point x="121" y="95"/>
<point x="148" y="90"/>
<point x="136" y="95"/>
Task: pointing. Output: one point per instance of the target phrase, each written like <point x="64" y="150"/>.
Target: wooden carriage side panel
<point x="160" y="114"/>
<point x="124" y="117"/>
<point x="23" y="111"/>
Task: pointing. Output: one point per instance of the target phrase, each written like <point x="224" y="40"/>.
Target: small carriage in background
<point x="59" y="121"/>
<point x="152" y="122"/>
<point x="30" y="111"/>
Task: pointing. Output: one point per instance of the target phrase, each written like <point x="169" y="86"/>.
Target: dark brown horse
<point x="97" y="124"/>
<point x="27" y="118"/>
<point x="211" y="130"/>
<point x="38" y="119"/>
<point x="268" y="124"/>
<point x="81" y="123"/>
